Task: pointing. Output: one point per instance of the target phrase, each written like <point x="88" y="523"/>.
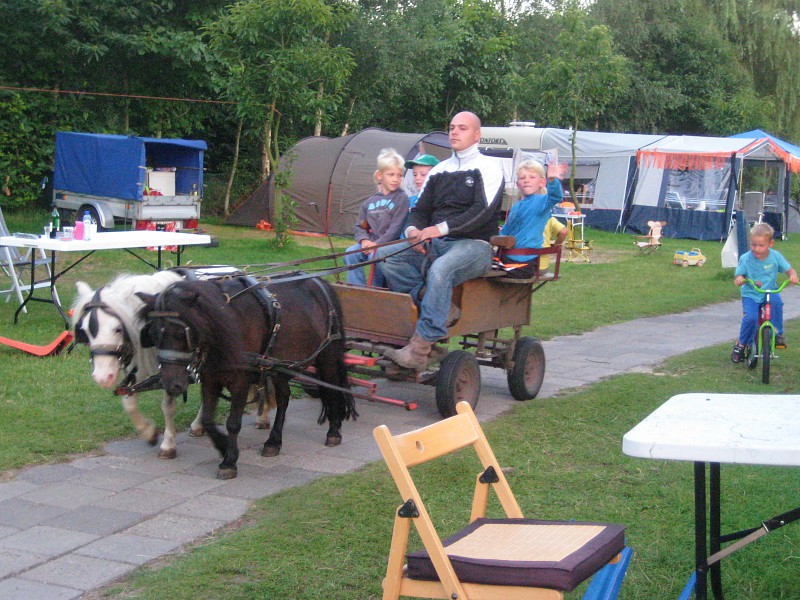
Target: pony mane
<point x="205" y="309"/>
<point x="120" y="295"/>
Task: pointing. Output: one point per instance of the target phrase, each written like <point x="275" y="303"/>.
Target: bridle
<point x="191" y="358"/>
<point x="123" y="352"/>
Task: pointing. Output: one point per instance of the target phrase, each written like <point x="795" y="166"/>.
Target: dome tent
<point x="331" y="178"/>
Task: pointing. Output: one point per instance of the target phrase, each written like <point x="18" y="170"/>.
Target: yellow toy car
<point x="692" y="257"/>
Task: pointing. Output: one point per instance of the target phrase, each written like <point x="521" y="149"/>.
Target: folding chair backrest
<point x="15" y="256"/>
<point x="434" y="441"/>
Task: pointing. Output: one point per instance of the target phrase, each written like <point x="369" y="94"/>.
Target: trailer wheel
<point x="459" y="378"/>
<point x="527" y="373"/>
<point x="92" y="213"/>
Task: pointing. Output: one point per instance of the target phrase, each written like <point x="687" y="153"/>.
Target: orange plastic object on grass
<point x="54" y="347"/>
<point x="264" y="225"/>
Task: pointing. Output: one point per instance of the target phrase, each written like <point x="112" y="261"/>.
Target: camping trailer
<point x="127" y="178"/>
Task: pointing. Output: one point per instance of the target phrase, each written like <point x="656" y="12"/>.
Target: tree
<point x="272" y="56"/>
<point x="580" y="76"/>
<point x="766" y="36"/>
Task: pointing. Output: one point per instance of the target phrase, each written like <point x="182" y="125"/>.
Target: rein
<point x="288" y="276"/>
<point x="333" y="256"/>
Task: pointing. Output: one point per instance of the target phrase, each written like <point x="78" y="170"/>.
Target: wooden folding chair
<point x="647" y="244"/>
<point x="502" y="559"/>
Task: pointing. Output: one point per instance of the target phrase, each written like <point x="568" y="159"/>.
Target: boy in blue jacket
<point x="528" y="217"/>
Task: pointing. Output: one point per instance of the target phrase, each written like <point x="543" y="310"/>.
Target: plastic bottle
<point x="77" y="233"/>
<point x="87" y="226"/>
<point x="56" y="217"/>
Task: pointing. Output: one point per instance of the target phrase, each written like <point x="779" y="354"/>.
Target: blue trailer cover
<point x="115" y="165"/>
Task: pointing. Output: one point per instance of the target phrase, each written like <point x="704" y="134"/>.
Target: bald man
<point x="456" y="214"/>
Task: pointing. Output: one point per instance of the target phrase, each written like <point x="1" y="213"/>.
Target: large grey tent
<point x="692" y="182"/>
<point x="331" y="178"/>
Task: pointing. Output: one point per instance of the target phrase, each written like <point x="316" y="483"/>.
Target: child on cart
<point x="528" y="217"/>
<point x="381" y="217"/>
<point x="762" y="265"/>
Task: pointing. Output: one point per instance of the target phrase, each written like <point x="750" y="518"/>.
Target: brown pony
<point x="233" y="332"/>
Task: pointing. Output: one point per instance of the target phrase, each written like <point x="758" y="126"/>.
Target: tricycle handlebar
<point x="763" y="291"/>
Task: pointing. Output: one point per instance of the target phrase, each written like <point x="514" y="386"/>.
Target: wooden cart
<point x="377" y="319"/>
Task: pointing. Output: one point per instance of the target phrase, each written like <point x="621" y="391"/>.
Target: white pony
<point x="106" y="320"/>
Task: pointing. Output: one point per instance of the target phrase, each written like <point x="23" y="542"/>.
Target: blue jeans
<point x="751" y="309"/>
<point x="454" y="262"/>
<point x="356" y="276"/>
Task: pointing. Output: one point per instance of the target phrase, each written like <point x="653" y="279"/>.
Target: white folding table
<point x="747" y="429"/>
<point x="111" y="240"/>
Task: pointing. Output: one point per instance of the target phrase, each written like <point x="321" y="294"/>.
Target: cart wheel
<point x="459" y="379"/>
<point x="526" y="376"/>
<point x="700" y="263"/>
<point x="685" y="263"/>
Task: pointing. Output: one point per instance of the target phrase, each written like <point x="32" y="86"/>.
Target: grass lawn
<point x="329" y="539"/>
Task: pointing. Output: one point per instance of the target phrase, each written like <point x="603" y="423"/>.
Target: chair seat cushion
<point x="526" y="552"/>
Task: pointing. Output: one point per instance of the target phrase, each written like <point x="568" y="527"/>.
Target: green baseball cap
<point x="426" y="160"/>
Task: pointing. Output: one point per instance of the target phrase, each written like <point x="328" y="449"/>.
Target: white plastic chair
<point x="15" y="264"/>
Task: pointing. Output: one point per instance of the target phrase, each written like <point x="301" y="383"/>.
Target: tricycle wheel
<point x="459" y="378"/>
<point x="527" y="373"/>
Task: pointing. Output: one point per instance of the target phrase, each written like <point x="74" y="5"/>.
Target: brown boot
<point x="414" y="355"/>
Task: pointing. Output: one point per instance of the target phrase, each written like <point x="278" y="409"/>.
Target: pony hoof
<point x="226" y="473"/>
<point x="264" y="425"/>
<point x="332" y="441"/>
<point x="270" y="451"/>
<point x="153" y="439"/>
<point x="168" y="454"/>
<point x="196" y="432"/>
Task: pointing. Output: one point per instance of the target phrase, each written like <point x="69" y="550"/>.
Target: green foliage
<point x="290" y="67"/>
<point x="284" y="222"/>
<point x="274" y="59"/>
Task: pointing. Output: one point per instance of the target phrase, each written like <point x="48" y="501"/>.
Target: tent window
<point x="705" y="189"/>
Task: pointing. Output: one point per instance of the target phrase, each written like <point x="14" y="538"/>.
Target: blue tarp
<point x="760" y="133"/>
<point x="115" y="165"/>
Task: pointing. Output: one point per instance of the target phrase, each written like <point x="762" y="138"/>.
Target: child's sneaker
<point x="780" y="342"/>
<point x="737" y="354"/>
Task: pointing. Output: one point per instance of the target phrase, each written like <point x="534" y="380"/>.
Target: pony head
<point x="107" y="321"/>
<point x="188" y="323"/>
<point x="102" y="328"/>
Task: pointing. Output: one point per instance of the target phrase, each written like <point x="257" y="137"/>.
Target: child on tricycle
<point x="761" y="265"/>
